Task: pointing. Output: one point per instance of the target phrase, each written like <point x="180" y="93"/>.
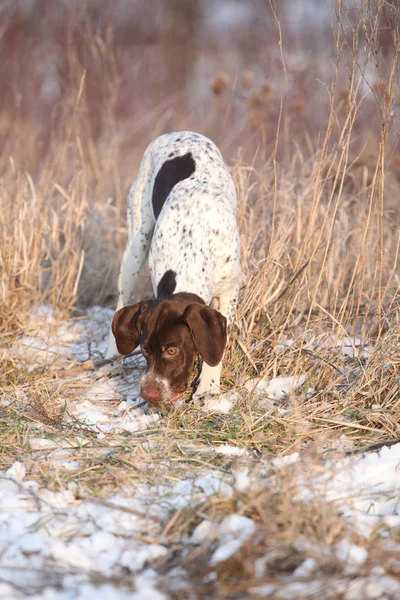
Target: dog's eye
<point x="172" y="351"/>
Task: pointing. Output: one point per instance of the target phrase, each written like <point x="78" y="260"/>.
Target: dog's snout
<point x="150" y="392"/>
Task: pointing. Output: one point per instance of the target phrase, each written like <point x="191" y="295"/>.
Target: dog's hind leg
<point x="141" y="225"/>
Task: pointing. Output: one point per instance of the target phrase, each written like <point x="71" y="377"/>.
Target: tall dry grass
<point x="318" y="208"/>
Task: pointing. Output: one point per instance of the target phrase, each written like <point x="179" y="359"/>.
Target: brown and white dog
<point x="182" y="216"/>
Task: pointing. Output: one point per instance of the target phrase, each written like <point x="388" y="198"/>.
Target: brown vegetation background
<point x="302" y="98"/>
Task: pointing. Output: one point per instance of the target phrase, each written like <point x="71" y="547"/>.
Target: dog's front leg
<point x="209" y="382"/>
<point x="210" y="377"/>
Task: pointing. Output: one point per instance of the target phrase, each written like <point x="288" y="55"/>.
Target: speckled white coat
<point x="195" y="234"/>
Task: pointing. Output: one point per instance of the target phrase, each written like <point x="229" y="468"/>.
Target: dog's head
<point x="170" y="332"/>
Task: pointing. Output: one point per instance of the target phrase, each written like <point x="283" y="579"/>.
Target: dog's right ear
<point x="208" y="329"/>
<point x="126" y="326"/>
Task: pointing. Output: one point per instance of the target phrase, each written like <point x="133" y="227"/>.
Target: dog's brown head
<point x="171" y="332"/>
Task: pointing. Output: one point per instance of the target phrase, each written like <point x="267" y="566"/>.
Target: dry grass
<point x="319" y="220"/>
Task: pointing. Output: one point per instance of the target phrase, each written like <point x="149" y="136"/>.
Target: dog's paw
<point x="222" y="403"/>
<point x="202" y="392"/>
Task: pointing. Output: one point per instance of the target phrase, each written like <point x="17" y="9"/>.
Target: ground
<point x="107" y="498"/>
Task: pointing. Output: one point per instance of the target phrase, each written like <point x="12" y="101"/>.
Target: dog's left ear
<point x="208" y="329"/>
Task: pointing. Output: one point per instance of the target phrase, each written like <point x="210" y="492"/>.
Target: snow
<point x="351" y="346"/>
<point x="289" y="459"/>
<point x="242" y="480"/>
<point x="351" y="553"/>
<point x="61" y="539"/>
<point x="38" y="526"/>
<point x="70" y="555"/>
<point x="228" y="450"/>
<point x="274" y="389"/>
<point x="367" y="488"/>
<point x="306" y="568"/>
<point x="205" y="531"/>
<point x="47" y="520"/>
<point x="222" y="403"/>
<point x="105" y="420"/>
<point x="372" y="588"/>
<point x="233" y="532"/>
<point x="16" y="472"/>
<point x="135" y="561"/>
<point x="309" y="589"/>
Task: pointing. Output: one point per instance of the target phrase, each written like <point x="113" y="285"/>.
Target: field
<point x="289" y="488"/>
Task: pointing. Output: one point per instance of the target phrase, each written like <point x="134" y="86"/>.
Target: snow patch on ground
<point x="366" y="488"/>
<point x="82" y="340"/>
<point x="53" y="533"/>
<point x="233" y="531"/>
<point x="53" y="543"/>
<point x="276" y="388"/>
<point x="228" y="450"/>
<point x="222" y="403"/>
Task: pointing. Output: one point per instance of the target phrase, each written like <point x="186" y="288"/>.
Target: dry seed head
<point x="247" y="79"/>
<point x="220" y="83"/>
<point x="266" y="89"/>
<point x="257" y="120"/>
<point x="261" y="97"/>
<point x="256" y="101"/>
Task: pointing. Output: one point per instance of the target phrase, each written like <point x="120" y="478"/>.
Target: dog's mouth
<point x="164" y="398"/>
<point x="176" y="396"/>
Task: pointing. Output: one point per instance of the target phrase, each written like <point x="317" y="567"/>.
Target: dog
<point x="182" y="217"/>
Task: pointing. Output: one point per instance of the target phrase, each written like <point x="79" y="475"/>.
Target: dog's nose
<point x="150" y="393"/>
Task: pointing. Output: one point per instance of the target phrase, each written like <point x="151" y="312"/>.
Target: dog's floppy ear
<point x="208" y="329"/>
<point x="126" y="326"/>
